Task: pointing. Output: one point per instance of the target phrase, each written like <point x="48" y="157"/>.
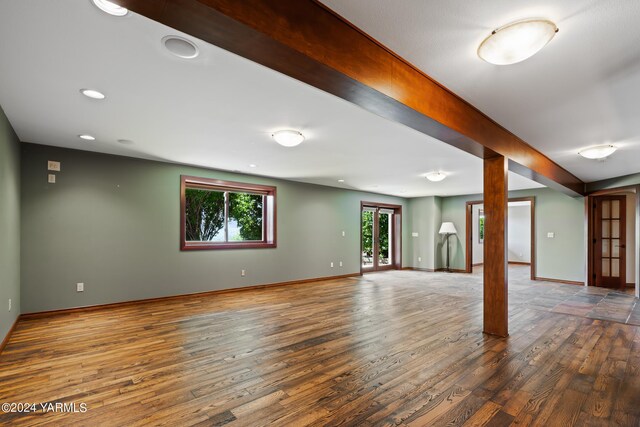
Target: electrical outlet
<point x="343" y="233"/>
<point x="243" y="273"/>
<point x="419" y="259"/>
<point x="414" y="234"/>
<point x="340" y="263"/>
<point x="551" y="235"/>
<point x="9" y="304"/>
<point x="79" y="287"/>
<point x="332" y="265"/>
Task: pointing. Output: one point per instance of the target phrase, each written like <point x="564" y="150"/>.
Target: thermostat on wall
<point x="53" y="166"/>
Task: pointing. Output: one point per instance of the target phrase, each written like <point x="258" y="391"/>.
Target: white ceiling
<point x="581" y="90"/>
<point x="215" y="111"/>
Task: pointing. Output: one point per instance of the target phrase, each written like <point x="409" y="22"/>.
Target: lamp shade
<point x="448" y="228"/>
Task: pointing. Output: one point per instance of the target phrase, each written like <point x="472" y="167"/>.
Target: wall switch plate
<point x="414" y="234"/>
<point x="340" y="263"/>
<point x="343" y="233"/>
<point x="551" y="235"/>
<point x="53" y="166"/>
<point x="332" y="265"/>
<point x="243" y="273"/>
<point x="419" y="259"/>
<point x="79" y="287"/>
<point x="9" y="304"/>
<point x="51" y="179"/>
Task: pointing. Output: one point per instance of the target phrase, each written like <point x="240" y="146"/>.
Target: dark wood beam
<point x="305" y="40"/>
<point x="496" y="205"/>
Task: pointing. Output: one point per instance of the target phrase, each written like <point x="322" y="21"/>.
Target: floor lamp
<point x="448" y="228"/>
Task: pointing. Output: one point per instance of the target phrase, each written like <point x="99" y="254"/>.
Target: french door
<point x="609" y="255"/>
<point x="380" y="237"/>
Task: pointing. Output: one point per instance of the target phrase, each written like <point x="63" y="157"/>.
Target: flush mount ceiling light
<point x="110" y="8"/>
<point x="253" y="165"/>
<point x="180" y="47"/>
<point x="598" y="152"/>
<point x="517" y="41"/>
<point x="288" y="138"/>
<point x="435" y="176"/>
<point x="91" y="93"/>
<point x="341" y="181"/>
<point x="87" y="137"/>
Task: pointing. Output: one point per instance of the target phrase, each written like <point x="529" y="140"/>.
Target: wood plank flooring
<point x="395" y="348"/>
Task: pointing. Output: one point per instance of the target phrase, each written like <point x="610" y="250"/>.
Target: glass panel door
<point x="385" y="237"/>
<point x="367" y="217"/>
<point x="609" y="241"/>
<point x="380" y="238"/>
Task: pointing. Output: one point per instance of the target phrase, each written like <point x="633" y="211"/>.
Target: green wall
<point x="112" y="223"/>
<point x="561" y="257"/>
<point x="9" y="225"/>
<point x="424" y="219"/>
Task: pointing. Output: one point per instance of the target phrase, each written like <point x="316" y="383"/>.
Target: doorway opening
<point x="380" y="237"/>
<point x="521" y="232"/>
<point x="612" y="227"/>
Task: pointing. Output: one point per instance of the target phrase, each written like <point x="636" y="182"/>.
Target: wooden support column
<point x="496" y="201"/>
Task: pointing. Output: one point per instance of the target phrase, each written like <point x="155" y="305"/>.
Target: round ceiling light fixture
<point x="180" y="47"/>
<point x="110" y="7"/>
<point x="517" y="41"/>
<point x="288" y="137"/>
<point x="435" y="176"/>
<point x="87" y="137"/>
<point x="598" y="152"/>
<point x="92" y="93"/>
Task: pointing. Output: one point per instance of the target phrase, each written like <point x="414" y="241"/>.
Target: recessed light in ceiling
<point x="125" y="142"/>
<point x="180" y="47"/>
<point x="87" y="137"/>
<point x="253" y="165"/>
<point x="341" y="181"/>
<point x="598" y="152"/>
<point x="517" y="41"/>
<point x="435" y="176"/>
<point x="288" y="137"/>
<point x="91" y="93"/>
<point x="110" y="7"/>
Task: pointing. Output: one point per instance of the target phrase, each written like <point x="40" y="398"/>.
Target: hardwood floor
<point x="395" y="348"/>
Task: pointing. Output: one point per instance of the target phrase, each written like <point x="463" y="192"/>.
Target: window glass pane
<point x="615" y="228"/>
<point x="615" y="209"/>
<point x="615" y="268"/>
<point x="245" y="217"/>
<point x="384" y="234"/>
<point x="605" y="248"/>
<point x="605" y="267"/>
<point x="615" y="248"/>
<point x="605" y="228"/>
<point x="606" y="209"/>
<point x="204" y="215"/>
<point x="367" y="238"/>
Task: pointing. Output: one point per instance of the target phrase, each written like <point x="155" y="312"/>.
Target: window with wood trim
<point x="217" y="214"/>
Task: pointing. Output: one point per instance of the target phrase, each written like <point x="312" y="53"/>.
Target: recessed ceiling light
<point x="180" y="47"/>
<point x="516" y="42"/>
<point x="253" y="165"/>
<point x="435" y="176"/>
<point x="288" y="138"/>
<point x="125" y="141"/>
<point x="91" y="93"/>
<point x="87" y="137"/>
<point x="341" y="180"/>
<point x="110" y="7"/>
<point x="598" y="152"/>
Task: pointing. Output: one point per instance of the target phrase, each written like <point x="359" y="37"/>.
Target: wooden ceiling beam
<point x="305" y="40"/>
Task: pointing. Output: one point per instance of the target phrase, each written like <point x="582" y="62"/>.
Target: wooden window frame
<point x="269" y="213"/>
